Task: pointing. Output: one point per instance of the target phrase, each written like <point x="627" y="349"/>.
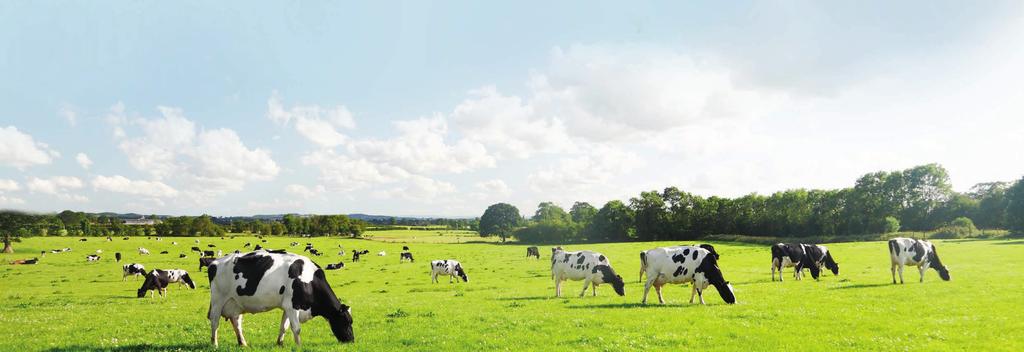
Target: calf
<point x="260" y="281"/>
<point x="143" y="251"/>
<point x="196" y="249"/>
<point x="157" y="281"/>
<point x="335" y="266"/>
<point x="643" y="259"/>
<point x="24" y="261"/>
<point x="449" y="267"/>
<point x="406" y="256"/>
<point x="802" y="256"/>
<point x="205" y="262"/>
<point x="532" y="252"/>
<point x="684" y="264"/>
<point x="908" y="251"/>
<point x="381" y="253"/>
<point x="207" y="253"/>
<point x="133" y="269"/>
<point x="92" y="257"/>
<point x="117" y="256"/>
<point x="591" y="267"/>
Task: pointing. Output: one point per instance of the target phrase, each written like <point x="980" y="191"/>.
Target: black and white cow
<point x="532" y="252"/>
<point x="643" y="259"/>
<point x="293" y="244"/>
<point x="450" y="267"/>
<point x="335" y="266"/>
<point x="260" y="281"/>
<point x="247" y="245"/>
<point x="208" y="254"/>
<point x="157" y="281"/>
<point x="802" y="256"/>
<point x="133" y="269"/>
<point x="83" y="240"/>
<point x="684" y="264"/>
<point x="591" y="267"/>
<point x="308" y="247"/>
<point x="196" y="249"/>
<point x="258" y="247"/>
<point x="117" y="256"/>
<point x="908" y="251"/>
<point x="205" y="262"/>
<point x="164" y="252"/>
<point x="92" y="257"/>
<point x="406" y="256"/>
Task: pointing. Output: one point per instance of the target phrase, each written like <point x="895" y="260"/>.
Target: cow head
<point x="710" y="248"/>
<point x="188" y="281"/>
<point x="831" y="264"/>
<point x="608" y="276"/>
<point x="935" y="263"/>
<point x="709" y="266"/>
<point x="326" y="304"/>
<point x="461" y="273"/>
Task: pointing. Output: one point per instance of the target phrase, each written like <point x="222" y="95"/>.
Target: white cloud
<point x="319" y="125"/>
<point x="121" y="184"/>
<point x="53" y="185"/>
<point x="494" y="187"/>
<point x="276" y="205"/>
<point x="83" y="160"/>
<point x="304" y="192"/>
<point x="68" y="113"/>
<point x="20" y="150"/>
<point x="5" y="200"/>
<point x="8" y="185"/>
<point x="507" y="125"/>
<point x="340" y="172"/>
<point x="419" y="189"/>
<point x="207" y="163"/>
<point x="420" y="147"/>
<point x="590" y="172"/>
<point x="117" y="119"/>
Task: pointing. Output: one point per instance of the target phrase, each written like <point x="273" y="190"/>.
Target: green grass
<point x="438" y="235"/>
<point x="64" y="303"/>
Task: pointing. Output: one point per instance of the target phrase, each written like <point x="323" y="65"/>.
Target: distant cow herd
<point x="265" y="279"/>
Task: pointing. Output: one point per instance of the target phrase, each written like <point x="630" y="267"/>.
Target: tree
<point x="499" y="219"/>
<point x="550" y="212"/>
<point x="649" y="216"/>
<point x="14" y="225"/>
<point x="614" y="222"/>
<point x="992" y="202"/>
<point x="1015" y="207"/>
<point x="582" y="213"/>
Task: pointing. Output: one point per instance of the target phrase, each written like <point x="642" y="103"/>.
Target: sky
<point x="441" y="109"/>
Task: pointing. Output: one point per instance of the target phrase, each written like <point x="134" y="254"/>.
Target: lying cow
<point x="92" y="257"/>
<point x="205" y="262"/>
<point x="643" y="260"/>
<point x="133" y="269"/>
<point x="83" y="240"/>
<point x="164" y="252"/>
<point x="335" y="266"/>
<point x="24" y="261"/>
<point x="802" y="256"/>
<point x="211" y="245"/>
<point x="449" y="267"/>
<point x="532" y="252"/>
<point x="143" y="251"/>
<point x="684" y="264"/>
<point x="908" y="251"/>
<point x="406" y="256"/>
<point x="196" y="249"/>
<point x="591" y="267"/>
<point x="157" y="281"/>
<point x="382" y="253"/>
<point x="207" y="253"/>
<point x="260" y="281"/>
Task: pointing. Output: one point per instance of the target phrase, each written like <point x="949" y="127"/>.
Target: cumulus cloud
<point x="317" y="124"/>
<point x="508" y="125"/>
<point x="58" y="186"/>
<point x="420" y="147"/>
<point x="20" y="150"/>
<point x="11" y="200"/>
<point x="8" y="185"/>
<point x="420" y="189"/>
<point x="494" y="187"/>
<point x="207" y="162"/>
<point x="83" y="160"/>
<point x="587" y="172"/>
<point x="121" y="184"/>
<point x="304" y="192"/>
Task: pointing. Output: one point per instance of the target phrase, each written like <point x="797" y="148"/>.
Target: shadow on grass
<point x="530" y="298"/>
<point x="631" y="305"/>
<point x="133" y="348"/>
<point x="1010" y="242"/>
<point x="862" y="286"/>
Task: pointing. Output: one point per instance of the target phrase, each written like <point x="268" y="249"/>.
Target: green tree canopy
<point x="499" y="219"/>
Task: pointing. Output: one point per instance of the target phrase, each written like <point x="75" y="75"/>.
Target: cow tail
<point x="643" y="266"/>
<point x="893" y="246"/>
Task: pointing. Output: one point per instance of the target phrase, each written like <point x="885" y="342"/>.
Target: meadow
<point x="66" y="304"/>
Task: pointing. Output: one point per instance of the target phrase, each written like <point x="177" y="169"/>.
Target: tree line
<point x="916" y="199"/>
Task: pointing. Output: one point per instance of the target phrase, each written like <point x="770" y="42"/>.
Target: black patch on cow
<point x="686" y="251"/>
<point x="581" y="260"/>
<point x="608" y="276"/>
<point x="566" y="260"/>
<point x="211" y="271"/>
<point x="918" y="250"/>
<point x="679" y="258"/>
<point x="709" y="266"/>
<point x="695" y="255"/>
<point x="295" y="269"/>
<point x="252" y="267"/>
<point x="679" y="271"/>
<point x="281" y="291"/>
<point x="155" y="280"/>
<point x="600" y="258"/>
<point x="894" y="248"/>
<point x="205" y="262"/>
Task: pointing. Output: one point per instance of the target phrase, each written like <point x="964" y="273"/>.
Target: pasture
<point x="66" y="304"/>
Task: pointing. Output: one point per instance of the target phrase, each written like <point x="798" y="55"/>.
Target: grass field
<point x="64" y="303"/>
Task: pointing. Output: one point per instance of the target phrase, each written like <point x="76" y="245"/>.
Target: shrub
<point x="961" y="227"/>
<point x="891" y="224"/>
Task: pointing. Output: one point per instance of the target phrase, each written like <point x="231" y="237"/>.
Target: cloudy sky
<point x="431" y="109"/>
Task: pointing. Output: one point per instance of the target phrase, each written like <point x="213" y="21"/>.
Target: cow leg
<point x="433" y="278"/>
<point x="558" y="288"/>
<point x="922" y="269"/>
<point x="901" y="273"/>
<point x="451" y="278"/>
<point x="284" y="327"/>
<point x="693" y="292"/>
<point x="586" y="282"/>
<point x="647" y="289"/>
<point x="796" y="272"/>
<point x="657" y="289"/>
<point x="893" y="270"/>
<point x="594" y="289"/>
<point x="773" y="269"/>
<point x="296" y="326"/>
<point x="700" y="294"/>
<point x="236" y="323"/>
<point x="214" y="315"/>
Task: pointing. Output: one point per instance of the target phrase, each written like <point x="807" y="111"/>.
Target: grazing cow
<point x="196" y="249"/>
<point x="309" y="246"/>
<point x="404" y="248"/>
<point x="125" y="238"/>
<point x="381" y="253"/>
<point x="449" y="267"/>
<point x="908" y="251"/>
<point x="117" y="256"/>
<point x="532" y="252"/>
<point x="247" y="245"/>
<point x="355" y="256"/>
<point x="643" y="260"/>
<point x="591" y="267"/>
<point x="24" y="261"/>
<point x="156" y="281"/>
<point x="802" y="256"/>
<point x="133" y="269"/>
<point x="205" y="262"/>
<point x="684" y="264"/>
<point x="109" y="239"/>
<point x="182" y="256"/>
<point x="208" y="253"/>
<point x="176" y="275"/>
<point x="406" y="255"/>
<point x="164" y="252"/>
<point x="83" y="240"/>
<point x="260" y="281"/>
<point x="211" y="245"/>
<point x="92" y="257"/>
<point x="143" y="251"/>
<point x="335" y="266"/>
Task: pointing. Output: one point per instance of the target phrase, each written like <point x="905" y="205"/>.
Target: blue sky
<point x="441" y="109"/>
